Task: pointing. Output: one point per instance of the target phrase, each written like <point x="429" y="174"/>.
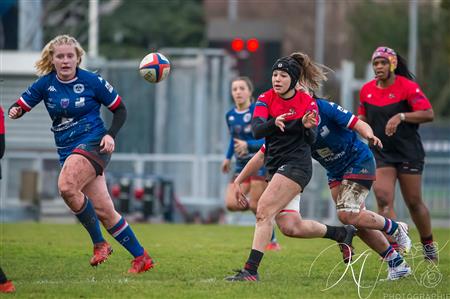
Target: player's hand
<point x="107" y="144"/>
<point x="240" y="147"/>
<point x="375" y="141"/>
<point x="15" y="112"/>
<point x="226" y="166"/>
<point x="279" y="121"/>
<point x="240" y="197"/>
<point x="309" y="120"/>
<point x="392" y="124"/>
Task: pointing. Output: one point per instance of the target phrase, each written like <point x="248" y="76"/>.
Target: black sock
<point x="3" y="278"/>
<point x="253" y="261"/>
<point x="337" y="233"/>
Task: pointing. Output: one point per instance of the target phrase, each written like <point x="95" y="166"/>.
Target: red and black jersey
<point x="2" y="121"/>
<point x="378" y="105"/>
<point x="292" y="145"/>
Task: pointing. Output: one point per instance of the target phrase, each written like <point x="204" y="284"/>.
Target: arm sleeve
<point x="106" y="94"/>
<point x="417" y="99"/>
<point x="2" y="136"/>
<point x="230" y="150"/>
<point x="311" y="135"/>
<point x="2" y="145"/>
<point x="2" y="133"/>
<point x="16" y="104"/>
<point x="33" y="95"/>
<point x="263" y="128"/>
<point x="255" y="145"/>
<point x="119" y="117"/>
<point x="361" y="107"/>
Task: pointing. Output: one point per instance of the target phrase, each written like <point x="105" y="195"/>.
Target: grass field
<point x="52" y="261"/>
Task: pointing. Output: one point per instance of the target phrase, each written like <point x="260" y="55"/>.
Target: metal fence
<point x="182" y="170"/>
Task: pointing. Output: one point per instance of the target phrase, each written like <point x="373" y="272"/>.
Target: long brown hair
<point x="312" y="74"/>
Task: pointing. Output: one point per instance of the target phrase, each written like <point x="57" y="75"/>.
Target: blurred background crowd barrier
<point x="167" y="161"/>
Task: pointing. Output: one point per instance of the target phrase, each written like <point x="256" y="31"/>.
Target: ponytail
<point x="311" y="73"/>
<point x="402" y="68"/>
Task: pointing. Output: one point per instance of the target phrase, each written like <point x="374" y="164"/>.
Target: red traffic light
<point x="252" y="45"/>
<point x="237" y="44"/>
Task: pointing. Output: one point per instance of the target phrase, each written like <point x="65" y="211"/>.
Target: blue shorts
<point x="259" y="175"/>
<point x="363" y="168"/>
<point x="91" y="151"/>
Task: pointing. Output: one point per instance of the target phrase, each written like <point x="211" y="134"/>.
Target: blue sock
<point x="274" y="238"/>
<point x="123" y="233"/>
<point x="390" y="226"/>
<point x="391" y="256"/>
<point x="88" y="218"/>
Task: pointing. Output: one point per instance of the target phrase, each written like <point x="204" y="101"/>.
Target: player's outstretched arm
<point x="255" y="163"/>
<point x="366" y="132"/>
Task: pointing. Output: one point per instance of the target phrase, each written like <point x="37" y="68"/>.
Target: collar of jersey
<point x="241" y="112"/>
<point x="68" y="81"/>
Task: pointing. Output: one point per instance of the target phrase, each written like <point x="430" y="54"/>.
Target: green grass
<point x="52" y="261"/>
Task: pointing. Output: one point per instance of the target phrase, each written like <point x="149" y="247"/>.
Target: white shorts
<point x="292" y="207"/>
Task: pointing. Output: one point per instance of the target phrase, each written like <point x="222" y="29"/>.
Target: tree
<point x="129" y="29"/>
<point x="137" y="27"/>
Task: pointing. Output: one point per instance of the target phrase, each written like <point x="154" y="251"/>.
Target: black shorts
<point x="91" y="151"/>
<point x="300" y="175"/>
<point x="410" y="167"/>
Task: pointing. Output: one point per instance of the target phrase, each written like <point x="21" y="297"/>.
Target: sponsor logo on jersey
<point x="247" y="117"/>
<point x="369" y="95"/>
<point x="342" y="109"/>
<point x="391" y="95"/>
<point x="364" y="170"/>
<point x="324" y="152"/>
<point x="324" y="131"/>
<point x="79" y="102"/>
<point x="248" y="129"/>
<point x="78" y="88"/>
<point x="108" y="86"/>
<point x="51" y="88"/>
<point x="292" y="111"/>
<point x="231" y="118"/>
<point x="64" y="103"/>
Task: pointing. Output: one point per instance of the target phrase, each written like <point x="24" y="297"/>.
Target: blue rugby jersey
<point x="74" y="107"/>
<point x="337" y="146"/>
<point x="239" y="125"/>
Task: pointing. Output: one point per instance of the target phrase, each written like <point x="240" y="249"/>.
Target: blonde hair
<point x="44" y="65"/>
<point x="312" y="73"/>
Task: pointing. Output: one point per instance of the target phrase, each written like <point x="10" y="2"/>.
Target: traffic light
<point x="251" y="45"/>
<point x="237" y="45"/>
